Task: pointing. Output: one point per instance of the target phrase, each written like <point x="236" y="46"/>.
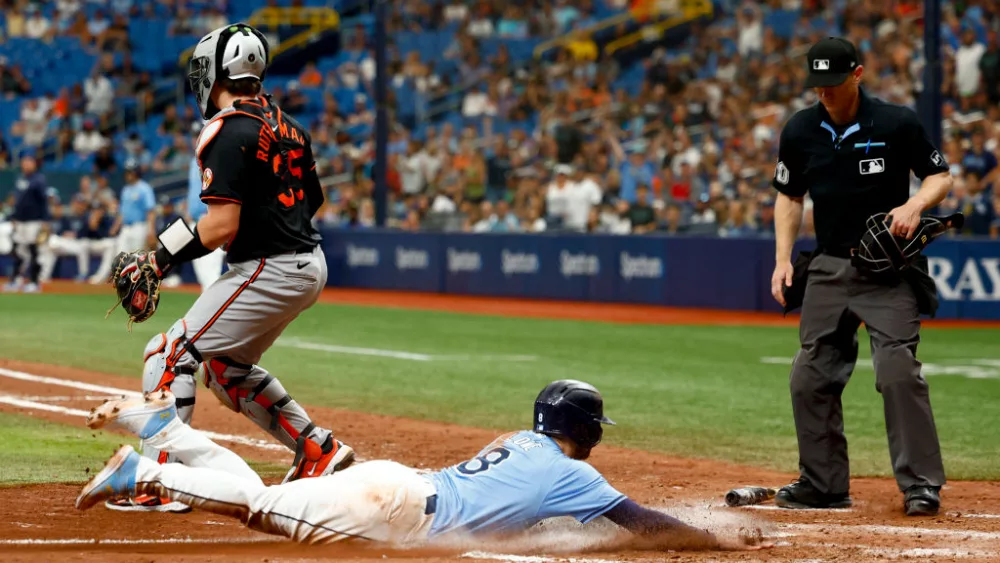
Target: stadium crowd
<point x="690" y="149"/>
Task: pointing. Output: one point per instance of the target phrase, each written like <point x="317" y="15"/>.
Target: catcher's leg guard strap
<point x="261" y="397"/>
<point x="170" y="362"/>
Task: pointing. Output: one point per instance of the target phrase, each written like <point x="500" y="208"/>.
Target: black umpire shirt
<point x="853" y="171"/>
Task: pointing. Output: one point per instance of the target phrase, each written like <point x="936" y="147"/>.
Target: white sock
<point x="216" y="491"/>
<point x="194" y="449"/>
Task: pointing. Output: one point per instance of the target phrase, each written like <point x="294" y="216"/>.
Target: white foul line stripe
<point x="530" y="558"/>
<point x="20" y="402"/>
<point x="66" y="383"/>
<point x="85" y="541"/>
<point x="244" y="440"/>
<point x="377" y="352"/>
<point x="895" y="530"/>
<point x="397" y="354"/>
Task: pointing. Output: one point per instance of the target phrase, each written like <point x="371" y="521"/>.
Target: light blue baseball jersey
<point x="518" y="480"/>
<point x="137" y="201"/>
<point x="196" y="207"/>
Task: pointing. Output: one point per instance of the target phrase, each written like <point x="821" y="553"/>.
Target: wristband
<point x="179" y="244"/>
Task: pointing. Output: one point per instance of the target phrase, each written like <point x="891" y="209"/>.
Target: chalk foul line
<point x="398" y="354"/>
<point x="530" y="558"/>
<point x="36" y="405"/>
<point x="92" y="541"/>
<point x="971" y="368"/>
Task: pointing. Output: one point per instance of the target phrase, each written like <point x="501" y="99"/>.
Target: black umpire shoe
<point x="921" y="500"/>
<point x="802" y="494"/>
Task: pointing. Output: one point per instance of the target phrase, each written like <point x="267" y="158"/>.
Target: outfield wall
<point x="672" y="271"/>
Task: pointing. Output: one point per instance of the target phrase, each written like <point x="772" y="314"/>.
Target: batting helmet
<point x="571" y="409"/>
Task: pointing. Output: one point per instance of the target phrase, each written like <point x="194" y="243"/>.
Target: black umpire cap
<point x="831" y="62"/>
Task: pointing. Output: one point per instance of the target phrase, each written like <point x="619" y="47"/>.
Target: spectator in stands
<point x="310" y="77"/>
<point x="296" y="101"/>
<point x="34" y="122"/>
<point x="88" y="140"/>
<point x="641" y="214"/>
<point x="498" y="170"/>
<point x="480" y="23"/>
<point x="977" y="159"/>
<point x="765" y="218"/>
<point x="37" y="25"/>
<point x="967" y="57"/>
<point x="4" y="152"/>
<point x="477" y="103"/>
<point x="15" y="22"/>
<point x="69" y="8"/>
<point x="99" y="92"/>
<point x="978" y="207"/>
<point x="135" y="149"/>
<point x="80" y="28"/>
<point x="171" y="122"/>
<point x="502" y="220"/>
<point x="672" y="222"/>
<point x="104" y="160"/>
<point x="97" y="24"/>
<point x="174" y="155"/>
<point x="12" y="80"/>
<point x="736" y="224"/>
<point x="989" y="65"/>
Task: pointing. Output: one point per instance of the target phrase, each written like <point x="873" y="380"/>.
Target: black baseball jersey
<point x="854" y="171"/>
<point x="256" y="155"/>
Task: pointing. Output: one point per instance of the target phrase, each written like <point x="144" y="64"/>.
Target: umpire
<point x="853" y="154"/>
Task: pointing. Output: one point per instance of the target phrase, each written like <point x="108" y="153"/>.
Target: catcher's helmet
<point x="571" y="409"/>
<point x="232" y="51"/>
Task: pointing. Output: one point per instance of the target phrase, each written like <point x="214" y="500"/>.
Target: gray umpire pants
<point x="837" y="300"/>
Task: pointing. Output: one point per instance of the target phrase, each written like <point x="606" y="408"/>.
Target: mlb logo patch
<point x="821" y="64"/>
<point x="872" y="166"/>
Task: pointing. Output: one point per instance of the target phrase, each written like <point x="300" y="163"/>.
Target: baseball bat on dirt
<point x="748" y="495"/>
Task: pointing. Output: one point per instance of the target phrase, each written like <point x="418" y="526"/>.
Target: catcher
<point x="519" y="479"/>
<point x="260" y="186"/>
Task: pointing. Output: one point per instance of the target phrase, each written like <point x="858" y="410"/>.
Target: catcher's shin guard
<point x="170" y="363"/>
<point x="251" y="390"/>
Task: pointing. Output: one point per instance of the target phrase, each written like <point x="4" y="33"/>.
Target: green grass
<point x="691" y="391"/>
<point x="37" y="451"/>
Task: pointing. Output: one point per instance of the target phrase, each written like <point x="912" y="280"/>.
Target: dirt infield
<point x="874" y="530"/>
<point x="40" y="523"/>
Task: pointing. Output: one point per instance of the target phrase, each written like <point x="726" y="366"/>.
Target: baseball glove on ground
<point x="136" y="279"/>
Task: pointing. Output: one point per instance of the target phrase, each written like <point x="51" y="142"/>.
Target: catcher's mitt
<point x="136" y="279"/>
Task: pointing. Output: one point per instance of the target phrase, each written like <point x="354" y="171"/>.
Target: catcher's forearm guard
<point x="180" y="243"/>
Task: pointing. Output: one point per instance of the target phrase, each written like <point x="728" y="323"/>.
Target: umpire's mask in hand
<point x="883" y="254"/>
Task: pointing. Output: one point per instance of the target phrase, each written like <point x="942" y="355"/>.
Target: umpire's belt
<point x="432" y="505"/>
<point x="840" y="251"/>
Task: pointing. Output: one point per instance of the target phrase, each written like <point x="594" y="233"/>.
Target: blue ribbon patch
<point x="868" y="145"/>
